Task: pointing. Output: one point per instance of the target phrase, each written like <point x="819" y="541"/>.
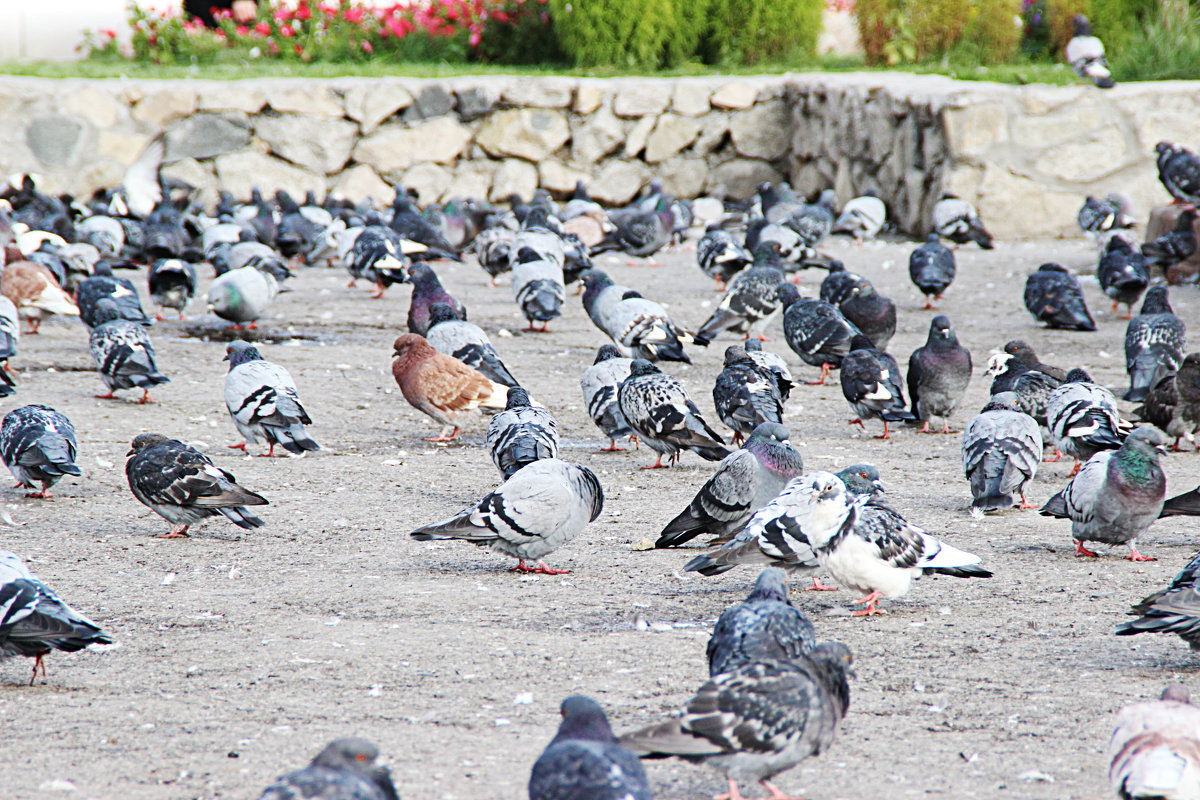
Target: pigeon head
<point x="1191" y="362"/>
<point x="1081" y="25"/>
<point x="356" y="755"/>
<point x="771" y="431"/>
<point x="517" y="398"/>
<point x="940" y="328"/>
<point x="106" y="311"/>
<point x="607" y="352"/>
<point x="1156" y="301"/>
<point x="144" y="440"/>
<point x="412" y="346"/>
<point x="641" y="366"/>
<point x="836" y="266"/>
<point x="422" y="276"/>
<point x="538" y="217"/>
<point x="860" y="342"/>
<point x="1022" y="352"/>
<point x="441" y="312"/>
<point x="239" y="352"/>
<point x="861" y="479"/>
<point x="787" y="294"/>
<point x="1148" y="441"/>
<point x="583" y="718"/>
<point x="1001" y="401"/>
<point x="1176" y="693"/>
<point x="933" y="238"/>
<point x="833" y="660"/>
<point x="834" y="653"/>
<point x="1118" y="244"/>
<point x="1052" y="268"/>
<point x="1001" y="363"/>
<point x="771" y="585"/>
<point x="1078" y="376"/>
<point x="767" y="254"/>
<point x="734" y="354"/>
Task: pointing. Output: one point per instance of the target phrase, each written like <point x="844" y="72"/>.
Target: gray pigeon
<point x="932" y="269"/>
<point x="172" y="284"/>
<point x="183" y="486"/>
<point x="720" y="256"/>
<point x="584" y="761"/>
<point x="1179" y="172"/>
<point x="1175" y="609"/>
<point x="813" y="222"/>
<point x="659" y="410"/>
<point x="772" y="363"/>
<point x="123" y="353"/>
<point x="1154" y="752"/>
<point x="745" y="395"/>
<point x="536" y="511"/>
<point x="1031" y="388"/>
<point x="263" y="400"/>
<point x="745" y="481"/>
<point x="639" y="325"/>
<point x="750" y="304"/>
<point x="839" y="283"/>
<point x="1116" y="496"/>
<point x="521" y="434"/>
<point x="38" y="445"/>
<point x="467" y="342"/>
<point x="242" y="296"/>
<point x="1173" y="405"/>
<point x="427" y="290"/>
<point x="640" y="233"/>
<point x="1154" y="343"/>
<point x="1083" y="418"/>
<point x="862" y="217"/>
<point x="938" y="374"/>
<point x="766" y="627"/>
<point x="817" y="332"/>
<point x="1001" y="452"/>
<point x="537" y="284"/>
<point x="35" y="620"/>
<point x="759" y="719"/>
<point x="957" y="220"/>
<point x="871" y="313"/>
<point x="872" y="386"/>
<point x="600" y="383"/>
<point x="1053" y="296"/>
<point x="346" y="769"/>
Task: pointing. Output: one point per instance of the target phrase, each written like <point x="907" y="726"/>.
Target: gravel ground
<point x="241" y="654"/>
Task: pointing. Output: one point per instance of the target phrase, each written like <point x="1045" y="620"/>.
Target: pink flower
<point x="366" y="46"/>
<point x="109" y="32"/>
<point x="353" y="15"/>
<point x="241" y="30"/>
<point x="262" y="29"/>
<point x="303" y="11"/>
<point x="474" y="39"/>
<point x="286" y="31"/>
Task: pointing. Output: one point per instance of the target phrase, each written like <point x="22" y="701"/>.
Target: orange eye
<point x="361" y="756"/>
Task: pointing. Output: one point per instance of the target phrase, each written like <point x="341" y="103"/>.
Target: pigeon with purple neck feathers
<point x="938" y="374"/>
<point x="745" y="395"/>
<point x="427" y="290"/>
<point x="1178" y="171"/>
<point x="600" y="383"/>
<point x="584" y="761"/>
<point x="1030" y="388"/>
<point x="1001" y="453"/>
<point x="765" y="627"/>
<point x="1154" y="344"/>
<point x="745" y="481"/>
<point x="932" y="269"/>
<point x="1122" y="273"/>
<point x="346" y="769"/>
<point x="839" y="283"/>
<point x="1025" y="354"/>
<point x="467" y="342"/>
<point x="1053" y="296"/>
<point x="871" y="313"/>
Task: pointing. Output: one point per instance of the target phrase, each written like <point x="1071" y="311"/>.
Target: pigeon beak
<point x="878" y="486"/>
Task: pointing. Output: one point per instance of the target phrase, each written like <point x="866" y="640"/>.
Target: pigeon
<point x="863" y="217"/>
<point x="1085" y="54"/>
<point x="1001" y="452"/>
<point x="264" y="403"/>
<point x="1053" y="297"/>
<point x="123" y="353"/>
<point x="539" y="509"/>
<point x="1173" y="405"/>
<point x="119" y="291"/>
<point x="1154" y="343"/>
<point x="427" y="290"/>
<point x="794" y="256"/>
<point x="639" y="325"/>
<point x="296" y="235"/>
<point x="765" y="627"/>
<point x="493" y="249"/>
<point x="813" y="222"/>
<point x="35" y="292"/>
<point x="172" y="285"/>
<point x="1030" y="388"/>
<point x="242" y="295"/>
<point x="758" y="719"/>
<point x="745" y="395"/>
<point x="720" y="256"/>
<point x="938" y="375"/>
<point x="640" y="233"/>
<point x="104" y="233"/>
<point x="751" y="303"/>
<point x="183" y="486"/>
<point x="818" y="333"/>
<point x="442" y="386"/>
<point x="1174" y="246"/>
<point x="1122" y="273"/>
<point x="408" y="222"/>
<point x="772" y="363"/>
<point x="1175" y="609"/>
<point x="538" y="288"/>
<point x="660" y="412"/>
<point x="745" y="481"/>
<point x="584" y="761"/>
<point x="1103" y="214"/>
<point x="521" y="434"/>
<point x="346" y="769"/>
<point x="1021" y="350"/>
<point x="1179" y="172"/>
<point x="379" y="255"/>
<point x="872" y="313"/>
<point x="10" y="336"/>
<point x="600" y="383"/>
<point x="38" y="445"/>
<point x="931" y="267"/>
<point x="1154" y="752"/>
<point x="1083" y="418"/>
<point x="837" y="286"/>
<point x="467" y="342"/>
<point x="957" y="220"/>
<point x="34" y="620"/>
<point x="1116" y="496"/>
<point x="871" y="383"/>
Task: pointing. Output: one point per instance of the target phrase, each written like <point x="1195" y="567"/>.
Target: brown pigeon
<point x="34" y="291"/>
<point x="442" y="386"/>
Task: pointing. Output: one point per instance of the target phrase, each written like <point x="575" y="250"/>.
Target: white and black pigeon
<point x="1154" y="343"/>
<point x="379" y="255"/>
<point x="1001" y="452"/>
<point x="639" y="325"/>
<point x="752" y="301"/>
<point x="938" y="375"/>
<point x="537" y="284"/>
<point x="1053" y="296"/>
<point x="1100" y="215"/>
<point x="183" y="486"/>
<point x="817" y="332"/>
<point x="813" y="222"/>
<point x="172" y="284"/>
<point x="1154" y="751"/>
<point x="493" y="248"/>
<point x="1083" y="418"/>
<point x="720" y="255"/>
<point x="600" y="383"/>
<point x="467" y="342"/>
<point x="584" y="761"/>
<point x="745" y="481"/>
<point x="764" y="627"/>
<point x="38" y="445"/>
<point x="863" y="217"/>
<point x="123" y="353"/>
<point x="264" y="402"/>
<point x="1122" y="273"/>
<point x="521" y="434"/>
<point x="102" y="285"/>
<point x="10" y="337"/>
<point x="1178" y="171"/>
<point x="1030" y="387"/>
<point x="35" y="621"/>
<point x="1085" y="54"/>
<point x="1175" y="609"/>
<point x="957" y="220"/>
<point x="932" y="269"/>
<point x="346" y="769"/>
<point x="104" y="233"/>
<point x="745" y="395"/>
<point x="1117" y="495"/>
<point x="758" y="719"/>
<point x="536" y="511"/>
<point x="772" y="363"/>
<point x="794" y="255"/>
<point x="660" y="412"/>
<point x="871" y="384"/>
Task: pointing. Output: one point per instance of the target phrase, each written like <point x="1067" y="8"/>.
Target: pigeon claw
<point x="817" y="586"/>
<point x="775" y="793"/>
<point x="443" y="437"/>
<point x="658" y="464"/>
<point x="612" y="447"/>
<point x="929" y="306"/>
<point x="871" y="608"/>
<point x="178" y="532"/>
<point x="885" y="434"/>
<point x="732" y="794"/>
<point x="824" y="374"/>
<point x="109" y="396"/>
<point x="1057" y="457"/>
<point x="540" y="569"/>
<point x="239" y="446"/>
<point x="1074" y="470"/>
<point x="39" y="660"/>
<point x="1080" y="550"/>
<point x="1134" y="555"/>
<point x="145" y="398"/>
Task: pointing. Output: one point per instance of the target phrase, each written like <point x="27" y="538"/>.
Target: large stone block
<point x="554" y="176"/>
<point x="972" y="129"/>
<point x="588" y="98"/>
<point x="513" y="176"/>
<point x="372" y="104"/>
<point x="734" y="95"/>
<point x="617" y="182"/>
<point x="98" y="107"/>
<point x="540" y="93"/>
<point x="475" y="102"/>
<point x="1015" y="207"/>
<point x="55" y="140"/>
<point x="529" y="133"/>
<point x="163" y="106"/>
<point x="240" y="172"/>
<point x="1059" y="127"/>
<point x="321" y="145"/>
<point x="312" y="99"/>
<point x="739" y="178"/>
<point x="396" y="147"/>
<point x="429" y="181"/>
<point x="682" y="176"/>
<point x="635" y="140"/>
<point x="432" y="101"/>
<point x="761" y="131"/>
<point x="472" y="179"/>
<point x="124" y="148"/>
<point x="231" y="96"/>
<point x="714" y="128"/>
<point x="1086" y="159"/>
<point x="207" y="135"/>
<point x="640" y="99"/>
<point x="1156" y="118"/>
<point x="197" y="175"/>
<point x="671" y="134"/>
<point x="596" y="137"/>
<point x="360" y="183"/>
<point x="690" y="98"/>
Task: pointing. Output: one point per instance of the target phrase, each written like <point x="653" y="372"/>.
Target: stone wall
<point x="1025" y="155"/>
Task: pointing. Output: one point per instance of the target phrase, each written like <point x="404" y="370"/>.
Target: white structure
<point x="50" y="30"/>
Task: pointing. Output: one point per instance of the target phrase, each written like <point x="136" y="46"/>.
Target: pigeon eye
<point x="361" y="756"/>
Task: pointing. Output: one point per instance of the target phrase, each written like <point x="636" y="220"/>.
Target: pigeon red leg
<point x="928" y="303"/>
<point x="885" y="434"/>
<point x="44" y="494"/>
<point x="178" y="532"/>
<point x="637" y="441"/>
<point x="658" y="464"/>
<point x="352" y="284"/>
<point x="39" y="660"/>
<point x="34" y="324"/>
<point x="1074" y="470"/>
<point x="1134" y="555"/>
<point x="240" y="446"/>
<point x="612" y="447"/>
<point x="925" y="427"/>
<point x="946" y="426"/>
<point x="857" y="421"/>
<point x="269" y="453"/>
<point x="871" y="607"/>
<point x="1025" y="503"/>
<point x="253" y="326"/>
<point x="732" y="794"/>
<point x="159" y="316"/>
<point x="775" y="793"/>
<point x="542" y="569"/>
<point x="109" y="396"/>
<point x="720" y="283"/>
<point x="817" y="586"/>
<point x="821" y="380"/>
<point x="1080" y="550"/>
<point x="738" y="438"/>
<point x="145" y="398"/>
<point x="443" y="437"/>
<point x="1057" y="457"/>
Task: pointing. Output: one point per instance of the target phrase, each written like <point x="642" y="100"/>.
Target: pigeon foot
<point x="109" y="396"/>
<point x="1057" y="457"/>
<point x="738" y="438"/>
<point x="817" y="586"/>
<point x="885" y="434"/>
<point x="732" y="794"/>
<point x="857" y="421"/>
<point x="39" y="661"/>
<point x="540" y="569"/>
<point x="637" y="441"/>
<point x="612" y="447"/>
<point x="658" y="464"/>
<point x="145" y="398"/>
<point x="239" y="446"/>
<point x="44" y="494"/>
<point x="871" y="608"/>
<point x="443" y="436"/>
<point x="824" y="374"/>
<point x="1074" y="470"/>
<point x="159" y="316"/>
<point x="1080" y="550"/>
<point x="929" y="306"/>
<point x="1135" y="556"/>
<point x="175" y="533"/>
<point x="775" y="793"/>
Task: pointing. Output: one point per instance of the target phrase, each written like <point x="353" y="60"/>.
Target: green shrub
<point x="1165" y="47"/>
<point x="1119" y="22"/>
<point x="625" y="33"/>
<point x="752" y="31"/>
<point x="992" y="32"/>
<point x="1059" y="14"/>
<point x="876" y="27"/>
<point x="518" y="32"/>
<point x="937" y="25"/>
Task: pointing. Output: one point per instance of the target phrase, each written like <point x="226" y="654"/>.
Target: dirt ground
<point x="241" y="654"/>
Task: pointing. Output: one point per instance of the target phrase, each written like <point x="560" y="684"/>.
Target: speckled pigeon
<point x="1100" y="215"/>
<point x="1154" y="752"/>
<point x="957" y="220"/>
<point x="932" y="269"/>
<point x="1173" y="405"/>
<point x="721" y="256"/>
<point x="1083" y="418"/>
<point x="765" y="627"/>
<point x="536" y="511"/>
<point x="745" y="395"/>
<point x="521" y="434"/>
<point x="813" y="222"/>
<point x="839" y="283"/>
<point x="584" y="761"/>
<point x="1030" y="388"/>
<point x="745" y="481"/>
<point x="1175" y="609"/>
<point x="751" y="303"/>
<point x="938" y="375"/>
<point x="379" y="256"/>
<point x="1174" y="246"/>
<point x="817" y="332"/>
<point x="38" y="445"/>
<point x="772" y="363"/>
<point x="872" y="385"/>
<point x="1122" y="273"/>
<point x="119" y="291"/>
<point x="1001" y="452"/>
<point x="600" y="383"/>
<point x="1053" y="297"/>
<point x="659" y="410"/>
<point x="467" y="342"/>
<point x="347" y="769"/>
<point x="639" y="325"/>
<point x="537" y="284"/>
<point x="1154" y="343"/>
<point x="264" y="402"/>
<point x="123" y="353"/>
<point x="1178" y="171"/>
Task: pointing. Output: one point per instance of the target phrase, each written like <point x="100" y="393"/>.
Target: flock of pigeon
<point x="774" y="694"/>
